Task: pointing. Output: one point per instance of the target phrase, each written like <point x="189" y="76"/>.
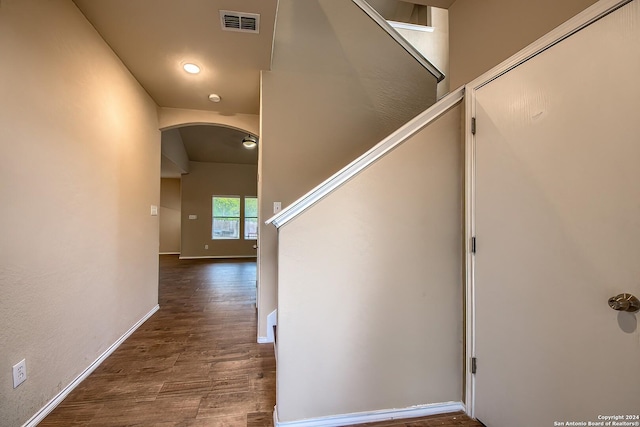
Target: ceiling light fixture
<point x="191" y="68"/>
<point x="250" y="142"/>
<point x="214" y="97"/>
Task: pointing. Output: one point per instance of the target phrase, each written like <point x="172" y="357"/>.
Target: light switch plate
<point x="154" y="210"/>
<point x="277" y="207"/>
<point x="193" y="216"/>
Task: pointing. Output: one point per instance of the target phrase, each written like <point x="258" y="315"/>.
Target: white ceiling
<point x="153" y="38"/>
<point x="216" y="144"/>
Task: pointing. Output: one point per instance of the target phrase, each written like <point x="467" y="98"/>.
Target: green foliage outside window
<point x="227" y="215"/>
<point x="226" y="218"/>
<point x="250" y="218"/>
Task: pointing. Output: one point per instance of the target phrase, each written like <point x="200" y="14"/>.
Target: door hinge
<point x="473" y="245"/>
<point x="474" y="365"/>
<point x="473" y="125"/>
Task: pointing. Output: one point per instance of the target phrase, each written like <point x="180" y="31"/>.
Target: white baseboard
<point x="373" y="416"/>
<point x="53" y="403"/>
<point x="218" y="257"/>
<point x="169" y="253"/>
<point x="272" y="320"/>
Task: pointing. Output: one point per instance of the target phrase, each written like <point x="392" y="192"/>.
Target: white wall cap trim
<point x="218" y="256"/>
<point x="373" y="416"/>
<point x="53" y="403"/>
<point x="373" y="14"/>
<point x="358" y="165"/>
<point x="272" y="320"/>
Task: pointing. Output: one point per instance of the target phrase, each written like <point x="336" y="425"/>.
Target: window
<point x="226" y="217"/>
<point x="250" y="218"/>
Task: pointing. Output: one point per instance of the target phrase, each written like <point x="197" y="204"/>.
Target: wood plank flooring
<point x="449" y="420"/>
<point x="195" y="362"/>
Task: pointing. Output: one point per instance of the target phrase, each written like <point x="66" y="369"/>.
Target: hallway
<point x="193" y="363"/>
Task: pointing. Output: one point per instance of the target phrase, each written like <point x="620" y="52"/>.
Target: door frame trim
<point x="570" y="27"/>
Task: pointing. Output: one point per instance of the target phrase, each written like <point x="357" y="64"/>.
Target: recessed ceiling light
<point x="191" y="68"/>
<point x="214" y="97"/>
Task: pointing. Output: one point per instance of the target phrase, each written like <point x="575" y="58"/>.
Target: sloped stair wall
<point x="370" y="286"/>
<point x="338" y="85"/>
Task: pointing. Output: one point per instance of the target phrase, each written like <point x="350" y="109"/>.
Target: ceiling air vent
<point x="240" y="21"/>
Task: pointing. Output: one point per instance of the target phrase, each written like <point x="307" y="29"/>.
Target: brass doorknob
<point x="624" y="302"/>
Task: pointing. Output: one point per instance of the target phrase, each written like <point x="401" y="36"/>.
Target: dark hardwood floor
<point x="449" y="420"/>
<point x="195" y="362"/>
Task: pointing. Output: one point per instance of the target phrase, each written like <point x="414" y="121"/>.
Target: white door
<point x="558" y="232"/>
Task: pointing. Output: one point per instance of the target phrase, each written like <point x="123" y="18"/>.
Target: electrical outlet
<point x="206" y="246"/>
<point x="19" y="373"/>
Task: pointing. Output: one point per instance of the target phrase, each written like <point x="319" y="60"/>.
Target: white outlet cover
<point x="154" y="210"/>
<point x="19" y="373"/>
<point x="277" y="207"/>
<point x="193" y="216"/>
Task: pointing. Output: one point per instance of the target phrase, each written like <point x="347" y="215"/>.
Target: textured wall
<point x="328" y="98"/>
<point x="176" y="117"/>
<point x="80" y="151"/>
<point x="206" y="180"/>
<point x="170" y="208"/>
<point x="370" y="286"/>
<point x="434" y="46"/>
<point x="485" y="33"/>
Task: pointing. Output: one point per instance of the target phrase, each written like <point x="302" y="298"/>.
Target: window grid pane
<point x="251" y="218"/>
<point x="251" y="228"/>
<point x="226" y="218"/>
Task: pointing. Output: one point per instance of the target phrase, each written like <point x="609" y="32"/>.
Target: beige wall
<point x="177" y="117"/>
<point x="80" y="151"/>
<point x="173" y="150"/>
<point x="327" y="100"/>
<point x="370" y="286"/>
<point x="206" y="180"/>
<point x="485" y="33"/>
<point x="170" y="215"/>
